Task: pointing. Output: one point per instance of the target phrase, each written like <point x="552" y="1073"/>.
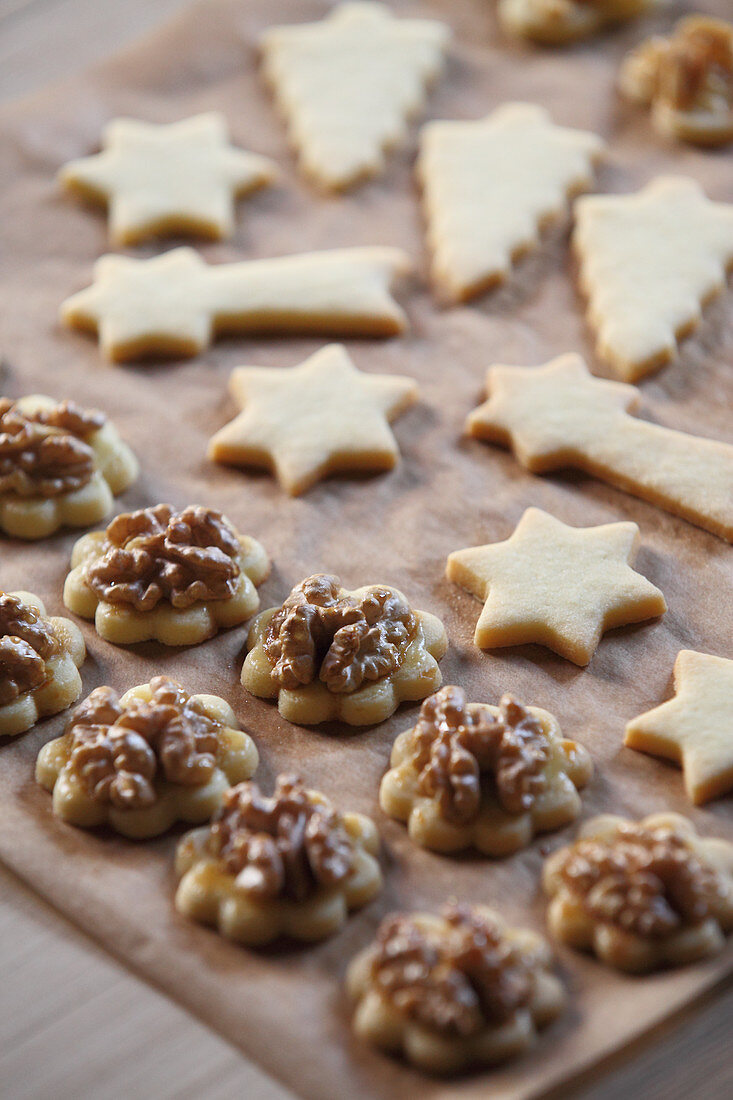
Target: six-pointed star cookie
<point x="694" y="728"/>
<point x="648" y="263"/>
<point x="322" y="417"/>
<point x="559" y="415"/>
<point x="176" y="178"/>
<point x="174" y="304"/>
<point x="556" y="585"/>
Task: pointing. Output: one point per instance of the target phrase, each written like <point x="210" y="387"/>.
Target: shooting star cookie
<point x="559" y="415"/>
<point x="321" y="417"/>
<point x="491" y="186"/>
<point x="556" y="585"/>
<point x="648" y="264"/>
<point x="171" y="179"/>
<point x="175" y="304"/>
<point x="348" y="84"/>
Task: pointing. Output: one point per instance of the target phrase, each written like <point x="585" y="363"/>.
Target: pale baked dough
<point x="558" y="22"/>
<point x="559" y="586"/>
<point x="381" y="1024"/>
<point x="694" y="728"/>
<point x="237" y="759"/>
<point x="558" y="415"/>
<point x="208" y="893"/>
<point x="63" y="685"/>
<point x="321" y="417"/>
<point x="167" y="180"/>
<point x="494" y="831"/>
<point x="348" y="84"/>
<point x="116" y="468"/>
<point x="649" y="262"/>
<point x="124" y="625"/>
<point x="625" y="949"/>
<point x="491" y="186"/>
<point x="176" y="304"/>
<point x="417" y="676"/>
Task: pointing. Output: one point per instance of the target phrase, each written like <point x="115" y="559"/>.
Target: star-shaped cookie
<point x="556" y="585"/>
<point x="648" y="263"/>
<point x="559" y="415"/>
<point x="694" y="728"/>
<point x="492" y="185"/>
<point x="172" y="179"/>
<point x="321" y="417"/>
<point x="348" y="84"/>
<point x="175" y="304"/>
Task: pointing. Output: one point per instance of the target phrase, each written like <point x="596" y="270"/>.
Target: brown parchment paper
<point x="285" y="1008"/>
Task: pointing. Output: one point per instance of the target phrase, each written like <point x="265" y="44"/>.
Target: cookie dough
<point x="319" y="418"/>
<point x="348" y="84"/>
<point x="180" y="178"/>
<point x="491" y="186"/>
<point x="556" y="585"/>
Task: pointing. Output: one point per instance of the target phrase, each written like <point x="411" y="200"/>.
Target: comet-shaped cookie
<point x="648" y="263"/>
<point x="560" y="415"/>
<point x="175" y="304"/>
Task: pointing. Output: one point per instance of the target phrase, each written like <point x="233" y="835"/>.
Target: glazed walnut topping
<point x="343" y="641"/>
<point x="697" y="66"/>
<point x="26" y="643"/>
<point x="44" y="454"/>
<point x="118" y="753"/>
<point x="160" y="554"/>
<point x="646" y="880"/>
<point x="286" y="845"/>
<point x="458" y="979"/>
<point x="454" y="746"/>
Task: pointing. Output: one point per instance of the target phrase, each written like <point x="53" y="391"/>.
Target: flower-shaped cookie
<point x="641" y="895"/>
<point x="328" y="653"/>
<point x="289" y="865"/>
<point x="686" y="79"/>
<point x="473" y="775"/>
<point x="453" y="991"/>
<point x="142" y="762"/>
<point x="176" y="577"/>
<point x="556" y="22"/>
<point x="60" y="466"/>
<point x="40" y="656"/>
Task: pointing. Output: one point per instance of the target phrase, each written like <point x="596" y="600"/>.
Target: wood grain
<point x="73" y="1023"/>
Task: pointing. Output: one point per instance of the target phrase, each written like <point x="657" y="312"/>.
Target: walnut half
<point x="159" y="553"/>
<point x="45" y="454"/>
<point x="26" y="642"/>
<point x="322" y="632"/>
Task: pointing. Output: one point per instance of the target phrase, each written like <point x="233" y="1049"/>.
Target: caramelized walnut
<point x="459" y="979"/>
<point x="159" y="554"/>
<point x="26" y="642"/>
<point x="697" y="64"/>
<point x="44" y="454"/>
<point x="453" y="746"/>
<point x="646" y="880"/>
<point x="343" y="641"/>
<point x="284" y="845"/>
<point x="118" y="753"/>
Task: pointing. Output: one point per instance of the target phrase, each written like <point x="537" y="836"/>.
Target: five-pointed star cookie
<point x="560" y="415"/>
<point x="348" y="84"/>
<point x="556" y="585"/>
<point x="648" y="263"/>
<point x="321" y="417"/>
<point x="176" y="178"/>
<point x="694" y="728"/>
<point x="491" y="186"/>
<point x="175" y="304"/>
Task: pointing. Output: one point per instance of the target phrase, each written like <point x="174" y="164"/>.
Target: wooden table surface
<point x="75" y="1024"/>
